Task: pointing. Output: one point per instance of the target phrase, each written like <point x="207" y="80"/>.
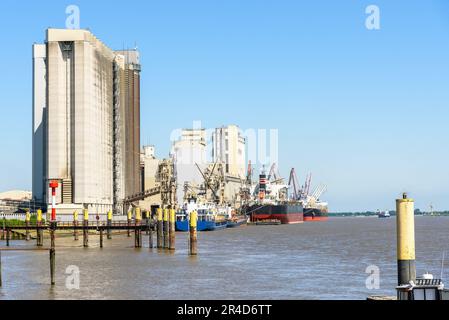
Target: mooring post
<point x="150" y="235"/>
<point x="7" y="237"/>
<point x="1" y="283"/>
<point x="27" y="226"/>
<point x="3" y="228"/>
<point x="147" y="221"/>
<point x="101" y="237"/>
<point x="52" y="266"/>
<point x="130" y="216"/>
<point x="86" y="229"/>
<point x="75" y="226"/>
<point x="137" y="230"/>
<point x="39" y="230"/>
<point x="160" y="222"/>
<point x="193" y="233"/>
<point x="172" y="228"/>
<point x="109" y="225"/>
<point x="53" y="227"/>
<point x="405" y="220"/>
<point x="166" y="226"/>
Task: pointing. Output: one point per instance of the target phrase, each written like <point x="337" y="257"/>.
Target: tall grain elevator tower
<point x="86" y="121"/>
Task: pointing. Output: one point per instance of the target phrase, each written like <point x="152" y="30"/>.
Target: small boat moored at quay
<point x="237" y="222"/>
<point x="208" y="219"/>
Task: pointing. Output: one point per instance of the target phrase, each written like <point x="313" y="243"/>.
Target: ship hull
<point x="183" y="226"/>
<point x="236" y="223"/>
<point x="286" y="214"/>
<point x="315" y="215"/>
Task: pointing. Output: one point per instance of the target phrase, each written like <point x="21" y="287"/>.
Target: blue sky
<point x="366" y="111"/>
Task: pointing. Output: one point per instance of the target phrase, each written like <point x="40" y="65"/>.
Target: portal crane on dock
<point x="293" y="183"/>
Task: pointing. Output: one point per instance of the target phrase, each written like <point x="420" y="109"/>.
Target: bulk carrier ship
<point x="314" y="208"/>
<point x="272" y="204"/>
<point x="317" y="213"/>
<point x="270" y="199"/>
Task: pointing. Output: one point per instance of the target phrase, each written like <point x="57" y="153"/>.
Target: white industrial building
<point x="188" y="152"/>
<point x="228" y="147"/>
<point x="86" y="121"/>
<point x="149" y="165"/>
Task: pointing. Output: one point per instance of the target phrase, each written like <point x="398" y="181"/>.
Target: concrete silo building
<point x="86" y="121"/>
<point x="188" y="152"/>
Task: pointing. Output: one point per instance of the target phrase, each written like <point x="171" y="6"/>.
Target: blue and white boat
<point x="237" y="222"/>
<point x="208" y="220"/>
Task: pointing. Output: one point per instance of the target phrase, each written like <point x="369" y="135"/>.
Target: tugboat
<point x="383" y="214"/>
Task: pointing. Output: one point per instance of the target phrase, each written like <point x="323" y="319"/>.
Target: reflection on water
<point x="324" y="260"/>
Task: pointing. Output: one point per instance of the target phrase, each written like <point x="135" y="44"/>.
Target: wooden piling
<point x="150" y="236"/>
<point x="166" y="229"/>
<point x="39" y="230"/>
<point x="75" y="226"/>
<point x="52" y="266"/>
<point x="147" y="221"/>
<point x="101" y="237"/>
<point x="130" y="216"/>
<point x="53" y="226"/>
<point x="85" y="229"/>
<point x="137" y="230"/>
<point x="7" y="237"/>
<point x="27" y="226"/>
<point x="1" y="283"/>
<point x="172" y="230"/>
<point x="193" y="233"/>
<point x="160" y="242"/>
<point x="109" y="225"/>
<point x="3" y="229"/>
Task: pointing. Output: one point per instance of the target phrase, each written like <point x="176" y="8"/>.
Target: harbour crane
<point x="274" y="176"/>
<point x="293" y="183"/>
<point x="307" y="186"/>
<point x="214" y="181"/>
<point x="249" y="175"/>
<point x="317" y="193"/>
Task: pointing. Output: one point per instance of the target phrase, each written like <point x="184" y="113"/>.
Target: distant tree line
<point x="418" y="212"/>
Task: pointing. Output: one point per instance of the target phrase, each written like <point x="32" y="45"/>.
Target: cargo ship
<point x="272" y="205"/>
<point x="314" y="208"/>
<point x="315" y="214"/>
<point x="289" y="213"/>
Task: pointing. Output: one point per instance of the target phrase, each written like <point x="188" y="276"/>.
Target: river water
<point x="325" y="260"/>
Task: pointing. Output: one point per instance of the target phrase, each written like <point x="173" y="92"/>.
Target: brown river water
<point x="325" y="260"/>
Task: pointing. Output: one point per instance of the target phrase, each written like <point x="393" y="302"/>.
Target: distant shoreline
<point x="393" y="214"/>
